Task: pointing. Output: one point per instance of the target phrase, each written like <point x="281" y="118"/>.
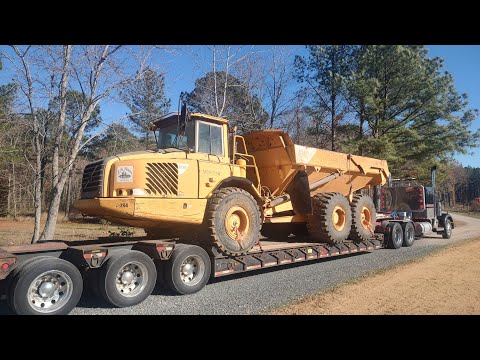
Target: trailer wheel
<point x="331" y="219"/>
<point x="364" y="217"/>
<point x="447" y="226"/>
<point x="188" y="269"/>
<point x="233" y="220"/>
<point x="408" y="234"/>
<point x="395" y="236"/>
<point x="127" y="278"/>
<point x="46" y="286"/>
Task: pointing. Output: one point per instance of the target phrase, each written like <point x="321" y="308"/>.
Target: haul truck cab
<point x="167" y="191"/>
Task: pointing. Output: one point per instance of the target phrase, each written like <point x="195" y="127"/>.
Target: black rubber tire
<point x="408" y="234"/>
<point x="359" y="233"/>
<point x="9" y="280"/>
<point x="272" y="230"/>
<point x="107" y="277"/>
<point x="17" y="296"/>
<point x="172" y="269"/>
<point x="320" y="222"/>
<point x="395" y="236"/>
<point x="217" y="207"/>
<point x="447" y="226"/>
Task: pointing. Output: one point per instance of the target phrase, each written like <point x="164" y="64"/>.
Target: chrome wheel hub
<point x="192" y="270"/>
<point x="131" y="279"/>
<point x="50" y="291"/>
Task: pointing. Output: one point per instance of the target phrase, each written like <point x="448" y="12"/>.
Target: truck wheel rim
<point x="50" y="291"/>
<point x="192" y="270"/>
<point x="131" y="279"/>
<point x="397" y="235"/>
<point x="339" y="218"/>
<point x="237" y="223"/>
<point x="448" y="227"/>
<point x="366" y="217"/>
<point x="409" y="234"/>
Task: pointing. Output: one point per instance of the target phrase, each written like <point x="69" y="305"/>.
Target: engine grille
<point x="162" y="179"/>
<point x="92" y="180"/>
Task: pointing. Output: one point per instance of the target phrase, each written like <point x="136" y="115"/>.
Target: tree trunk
<point x="49" y="229"/>
<point x="14" y="192"/>
<point x="333" y="134"/>
<point x="37" y="194"/>
<point x="62" y="114"/>
<point x="9" y="193"/>
<point x="69" y="191"/>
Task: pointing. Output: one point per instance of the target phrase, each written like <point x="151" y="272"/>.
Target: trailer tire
<point x="408" y="234"/>
<point x="127" y="278"/>
<point x="226" y="208"/>
<point x="331" y="219"/>
<point x="395" y="236"/>
<point x="188" y="269"/>
<point x="447" y="226"/>
<point x="59" y="280"/>
<point x="364" y="217"/>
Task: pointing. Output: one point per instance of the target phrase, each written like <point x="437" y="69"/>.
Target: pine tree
<point x="146" y="100"/>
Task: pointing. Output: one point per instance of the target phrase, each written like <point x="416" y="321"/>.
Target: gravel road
<point x="262" y="290"/>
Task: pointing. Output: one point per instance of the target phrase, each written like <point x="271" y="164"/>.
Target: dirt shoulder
<point x="446" y="282"/>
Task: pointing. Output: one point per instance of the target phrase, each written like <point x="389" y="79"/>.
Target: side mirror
<point x="183" y="113"/>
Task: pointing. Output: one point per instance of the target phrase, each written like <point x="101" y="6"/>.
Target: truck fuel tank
<point x="422" y="228"/>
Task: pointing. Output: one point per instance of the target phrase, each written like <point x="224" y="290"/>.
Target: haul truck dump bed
<point x="278" y="160"/>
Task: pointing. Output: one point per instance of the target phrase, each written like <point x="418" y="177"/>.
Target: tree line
<point x="386" y="101"/>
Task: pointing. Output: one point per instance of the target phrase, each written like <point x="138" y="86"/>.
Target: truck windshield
<point x="169" y="135"/>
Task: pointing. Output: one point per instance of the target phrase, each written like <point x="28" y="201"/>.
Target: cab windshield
<point x="171" y="136"/>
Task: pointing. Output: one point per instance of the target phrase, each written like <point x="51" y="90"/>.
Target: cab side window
<point x="209" y="138"/>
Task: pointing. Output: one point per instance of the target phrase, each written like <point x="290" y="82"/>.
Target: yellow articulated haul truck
<point x="207" y="183"/>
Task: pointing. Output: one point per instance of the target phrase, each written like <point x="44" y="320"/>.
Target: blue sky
<point x="462" y="61"/>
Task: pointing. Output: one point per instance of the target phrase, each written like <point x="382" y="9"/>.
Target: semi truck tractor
<point x="415" y="208"/>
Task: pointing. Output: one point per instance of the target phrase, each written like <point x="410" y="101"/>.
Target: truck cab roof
<point x="175" y="115"/>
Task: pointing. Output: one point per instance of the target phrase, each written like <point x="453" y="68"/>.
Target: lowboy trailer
<point x="50" y="277"/>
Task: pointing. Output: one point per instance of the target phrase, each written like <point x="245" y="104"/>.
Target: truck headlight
<point x="138" y="192"/>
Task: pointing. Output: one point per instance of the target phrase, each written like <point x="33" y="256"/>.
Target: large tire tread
<point x="319" y="223"/>
<point x="213" y="205"/>
<point x="358" y="232"/>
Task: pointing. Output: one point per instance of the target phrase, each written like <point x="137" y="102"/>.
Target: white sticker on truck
<point x="125" y="174"/>
<point x="182" y="168"/>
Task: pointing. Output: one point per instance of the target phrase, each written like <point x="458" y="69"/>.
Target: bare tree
<point x="97" y="72"/>
<point x="277" y="81"/>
